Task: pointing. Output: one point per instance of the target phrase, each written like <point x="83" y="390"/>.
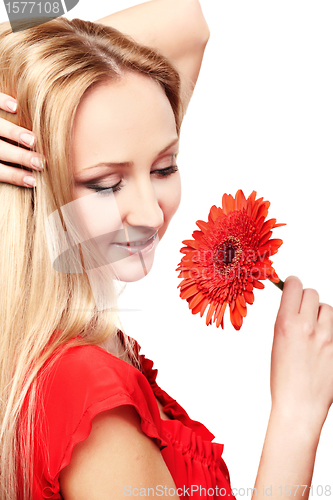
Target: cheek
<point x="169" y="198"/>
<point x="94" y="216"/>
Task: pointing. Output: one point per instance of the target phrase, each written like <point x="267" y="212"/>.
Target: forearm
<point x="287" y="459"/>
<point x="176" y="28"/>
<point x="163" y="24"/>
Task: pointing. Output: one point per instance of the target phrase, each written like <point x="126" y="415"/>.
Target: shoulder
<point x="82" y="376"/>
<point x="90" y="396"/>
<point x="116" y="455"/>
<point x="70" y="363"/>
<point x="86" y="369"/>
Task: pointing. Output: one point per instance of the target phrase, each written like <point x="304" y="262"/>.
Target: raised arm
<point x="177" y="28"/>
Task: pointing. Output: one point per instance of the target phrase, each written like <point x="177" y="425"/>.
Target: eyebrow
<point x="127" y="163"/>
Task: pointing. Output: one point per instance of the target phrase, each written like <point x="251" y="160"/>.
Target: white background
<point x="261" y="118"/>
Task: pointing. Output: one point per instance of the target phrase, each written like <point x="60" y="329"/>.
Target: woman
<point x="128" y="445"/>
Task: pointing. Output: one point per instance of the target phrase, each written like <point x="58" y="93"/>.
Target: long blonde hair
<point x="48" y="68"/>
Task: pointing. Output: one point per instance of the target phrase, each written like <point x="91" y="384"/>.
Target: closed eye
<point x="164" y="172"/>
<point x="103" y="191"/>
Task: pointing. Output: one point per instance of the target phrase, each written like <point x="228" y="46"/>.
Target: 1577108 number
<point x="40" y="7"/>
<point x="317" y="490"/>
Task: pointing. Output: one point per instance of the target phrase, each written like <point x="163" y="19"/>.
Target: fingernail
<point x="29" y="181"/>
<point x="11" y="105"/>
<point x="28" y="139"/>
<point x="36" y="162"/>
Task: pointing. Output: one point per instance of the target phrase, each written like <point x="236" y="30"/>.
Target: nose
<point x="142" y="206"/>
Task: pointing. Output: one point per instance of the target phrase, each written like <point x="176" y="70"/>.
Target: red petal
<point x="256" y="207"/>
<point x="277" y="242"/>
<point x="217" y="310"/>
<point x="194" y="301"/>
<point x="185" y="283"/>
<point x="260" y="223"/>
<point x="249" y="297"/>
<point x="210" y="312"/>
<point x="203" y="306"/>
<point x="214" y="213"/>
<point x="241" y="308"/>
<point x="265" y="238"/>
<point x="271" y="247"/>
<point x="250" y="202"/>
<point x="220" y="315"/>
<point x="274" y="277"/>
<point x="236" y="318"/>
<point x="186" y="273"/>
<point x="240" y="201"/>
<point x="189" y="243"/>
<point x="242" y="300"/>
<point x="228" y="203"/>
<point x="279" y="225"/>
<point x="263" y="270"/>
<point x="186" y="250"/>
<point x="258" y="284"/>
<point x="269" y="224"/>
<point x="188" y="292"/>
<point x="204" y="226"/>
<point x="263" y="210"/>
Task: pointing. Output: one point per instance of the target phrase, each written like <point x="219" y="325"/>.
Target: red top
<point x="87" y="380"/>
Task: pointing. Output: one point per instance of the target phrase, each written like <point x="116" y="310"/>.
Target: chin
<point x="133" y="270"/>
<point x="134" y="267"/>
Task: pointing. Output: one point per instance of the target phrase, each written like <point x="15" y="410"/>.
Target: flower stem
<point x="279" y="284"/>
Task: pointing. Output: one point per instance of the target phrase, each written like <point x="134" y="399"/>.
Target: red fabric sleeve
<point x="83" y="382"/>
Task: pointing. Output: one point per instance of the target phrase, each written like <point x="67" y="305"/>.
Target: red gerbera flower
<point x="228" y="257"/>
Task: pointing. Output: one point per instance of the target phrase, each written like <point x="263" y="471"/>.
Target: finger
<point x="325" y="316"/>
<point x="22" y="156"/>
<point x="291" y="296"/>
<point x="310" y="304"/>
<point x="16" y="133"/>
<point x="17" y="176"/>
<point x="8" y="103"/>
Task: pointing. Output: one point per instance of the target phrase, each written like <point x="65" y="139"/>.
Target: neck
<point x="114" y="346"/>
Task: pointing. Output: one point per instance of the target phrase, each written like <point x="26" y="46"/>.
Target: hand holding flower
<point x="302" y="356"/>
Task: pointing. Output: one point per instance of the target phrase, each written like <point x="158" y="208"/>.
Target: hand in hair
<point x="9" y="153"/>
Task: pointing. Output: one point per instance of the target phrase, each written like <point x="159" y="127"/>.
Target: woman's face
<point x="126" y="182"/>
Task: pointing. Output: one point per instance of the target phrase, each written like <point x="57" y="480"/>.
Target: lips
<point x="137" y="244"/>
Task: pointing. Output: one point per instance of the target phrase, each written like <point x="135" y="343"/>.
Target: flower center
<point x="227" y="254"/>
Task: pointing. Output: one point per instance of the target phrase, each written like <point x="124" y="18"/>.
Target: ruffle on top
<point x="191" y="456"/>
<point x="86" y="380"/>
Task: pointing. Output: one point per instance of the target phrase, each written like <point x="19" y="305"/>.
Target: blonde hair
<point x="48" y="68"/>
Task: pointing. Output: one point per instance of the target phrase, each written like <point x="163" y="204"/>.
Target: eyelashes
<point x="103" y="191"/>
